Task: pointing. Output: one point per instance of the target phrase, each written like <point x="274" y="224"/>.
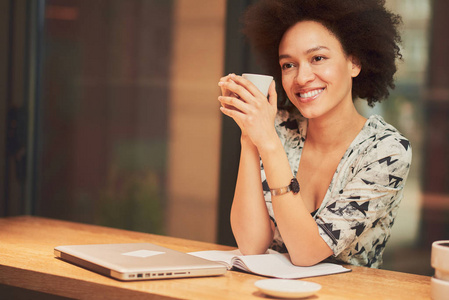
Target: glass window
<point x="128" y="114"/>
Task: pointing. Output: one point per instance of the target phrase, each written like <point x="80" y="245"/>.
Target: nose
<point x="305" y="74"/>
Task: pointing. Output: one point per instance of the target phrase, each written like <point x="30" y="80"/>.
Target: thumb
<point x="272" y="95"/>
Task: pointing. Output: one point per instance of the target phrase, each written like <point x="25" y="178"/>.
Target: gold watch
<point x="292" y="187"/>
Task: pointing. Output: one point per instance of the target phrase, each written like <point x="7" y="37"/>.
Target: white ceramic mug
<point x="262" y="82"/>
<point x="440" y="259"/>
<point x="439" y="289"/>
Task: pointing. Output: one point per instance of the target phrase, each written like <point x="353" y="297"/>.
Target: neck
<point x="329" y="132"/>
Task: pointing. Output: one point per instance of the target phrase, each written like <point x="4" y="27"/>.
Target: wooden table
<point x="27" y="262"/>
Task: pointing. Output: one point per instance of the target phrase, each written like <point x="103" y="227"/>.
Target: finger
<point x="231" y="102"/>
<point x="225" y="78"/>
<point x="253" y="90"/>
<point x="236" y="89"/>
<point x="228" y="107"/>
<point x="234" y="114"/>
<point x="224" y="91"/>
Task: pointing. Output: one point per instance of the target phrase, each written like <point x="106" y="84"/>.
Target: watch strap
<point x="292" y="187"/>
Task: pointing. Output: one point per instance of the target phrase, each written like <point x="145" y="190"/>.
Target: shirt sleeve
<point x="369" y="191"/>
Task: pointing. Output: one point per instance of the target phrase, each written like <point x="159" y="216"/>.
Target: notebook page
<point x="280" y="266"/>
<point x="224" y="257"/>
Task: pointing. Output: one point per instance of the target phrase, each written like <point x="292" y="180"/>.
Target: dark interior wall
<point x="4" y="55"/>
<point x="435" y="204"/>
<point x="238" y="60"/>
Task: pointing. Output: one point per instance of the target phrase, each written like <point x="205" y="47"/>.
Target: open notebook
<point x="272" y="264"/>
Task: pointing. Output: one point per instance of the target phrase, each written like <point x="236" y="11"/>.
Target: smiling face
<point x="316" y="72"/>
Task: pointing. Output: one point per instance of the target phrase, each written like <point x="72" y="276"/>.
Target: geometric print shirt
<point x="361" y="203"/>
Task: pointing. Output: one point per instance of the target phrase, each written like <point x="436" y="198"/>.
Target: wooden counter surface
<point x="27" y="262"/>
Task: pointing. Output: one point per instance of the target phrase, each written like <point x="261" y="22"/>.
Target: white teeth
<point x="311" y="93"/>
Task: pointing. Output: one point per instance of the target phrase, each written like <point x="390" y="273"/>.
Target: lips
<point x="310" y="94"/>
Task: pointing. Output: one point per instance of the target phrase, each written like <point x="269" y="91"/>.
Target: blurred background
<point x="109" y="116"/>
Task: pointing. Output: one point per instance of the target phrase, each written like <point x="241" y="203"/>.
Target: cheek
<point x="330" y="74"/>
<point x="336" y="75"/>
<point x="285" y="83"/>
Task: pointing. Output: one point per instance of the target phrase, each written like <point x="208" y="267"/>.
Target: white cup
<point x="439" y="289"/>
<point x="439" y="259"/>
<point x="262" y="82"/>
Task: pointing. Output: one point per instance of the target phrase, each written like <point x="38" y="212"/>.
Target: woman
<point x="332" y="180"/>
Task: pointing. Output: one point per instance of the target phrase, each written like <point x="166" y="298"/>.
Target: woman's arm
<point x="363" y="204"/>
<point x="298" y="229"/>
<point x="249" y="217"/>
<point x="251" y="224"/>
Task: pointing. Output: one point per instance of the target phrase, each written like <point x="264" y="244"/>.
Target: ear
<point x="356" y="67"/>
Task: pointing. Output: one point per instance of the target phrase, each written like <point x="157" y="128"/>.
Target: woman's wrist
<point x="246" y="141"/>
<point x="271" y="145"/>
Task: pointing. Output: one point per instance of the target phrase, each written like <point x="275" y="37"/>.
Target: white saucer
<point x="285" y="288"/>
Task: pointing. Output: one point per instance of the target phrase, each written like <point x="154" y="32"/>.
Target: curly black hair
<point x="365" y="29"/>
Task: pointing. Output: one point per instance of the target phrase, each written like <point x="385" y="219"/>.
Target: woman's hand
<point x="249" y="108"/>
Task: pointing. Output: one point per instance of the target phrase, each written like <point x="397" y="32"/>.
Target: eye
<point x="287" y="66"/>
<point x="318" y="58"/>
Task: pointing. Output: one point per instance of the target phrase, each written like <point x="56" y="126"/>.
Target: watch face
<point x="294" y="186"/>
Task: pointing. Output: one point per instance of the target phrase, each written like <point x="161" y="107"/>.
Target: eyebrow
<point x="314" y="49"/>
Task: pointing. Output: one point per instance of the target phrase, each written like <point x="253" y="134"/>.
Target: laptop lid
<point x="138" y="261"/>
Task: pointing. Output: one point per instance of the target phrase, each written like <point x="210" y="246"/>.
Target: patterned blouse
<point x="360" y="205"/>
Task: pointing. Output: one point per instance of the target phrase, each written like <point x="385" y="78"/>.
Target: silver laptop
<point x="138" y="261"/>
